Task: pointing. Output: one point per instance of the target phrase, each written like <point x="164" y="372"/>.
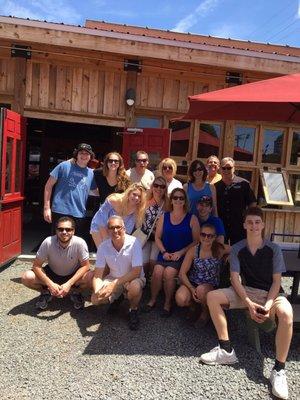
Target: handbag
<point x="142" y="236"/>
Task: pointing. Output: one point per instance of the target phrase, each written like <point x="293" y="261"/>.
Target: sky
<point x="265" y="21"/>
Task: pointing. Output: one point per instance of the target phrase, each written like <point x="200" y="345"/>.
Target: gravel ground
<point x="65" y="354"/>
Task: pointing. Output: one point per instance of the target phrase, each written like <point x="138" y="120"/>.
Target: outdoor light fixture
<point x="130" y="97"/>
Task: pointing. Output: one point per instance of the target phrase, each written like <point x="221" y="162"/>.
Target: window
<point x="272" y="146"/>
<point x="180" y="137"/>
<point x="294" y="181"/>
<point x="9" y="165"/>
<point x="276" y="188"/>
<point x="244" y="174"/>
<point x="295" y="153"/>
<point x="147" y="122"/>
<point x="244" y="143"/>
<point x="209" y="140"/>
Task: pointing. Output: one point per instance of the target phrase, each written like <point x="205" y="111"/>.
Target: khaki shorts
<point x="258" y="296"/>
<point x="122" y="289"/>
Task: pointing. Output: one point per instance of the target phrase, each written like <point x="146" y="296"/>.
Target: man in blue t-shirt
<point x="260" y="264"/>
<point x="72" y="180"/>
<point x="204" y="208"/>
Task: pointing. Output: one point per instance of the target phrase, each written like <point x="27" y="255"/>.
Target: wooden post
<point x="19" y="85"/>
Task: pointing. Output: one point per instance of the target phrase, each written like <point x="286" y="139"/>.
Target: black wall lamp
<point x="130" y="97"/>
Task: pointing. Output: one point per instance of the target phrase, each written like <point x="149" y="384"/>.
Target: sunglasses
<point x="198" y="169"/>
<point x="226" y="168"/>
<point x="181" y="198"/>
<point x="207" y="235"/>
<point x="158" y="185"/>
<point x="142" y="160"/>
<point x="111" y="161"/>
<point x="68" y="230"/>
<point x="167" y="167"/>
<point x="117" y="227"/>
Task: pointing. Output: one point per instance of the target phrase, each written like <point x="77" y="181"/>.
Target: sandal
<point x="147" y="308"/>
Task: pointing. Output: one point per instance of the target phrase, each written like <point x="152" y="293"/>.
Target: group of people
<point x="150" y="227"/>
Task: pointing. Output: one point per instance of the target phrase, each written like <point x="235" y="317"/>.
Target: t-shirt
<point x="145" y="180"/>
<point x="257" y="270"/>
<point x="174" y="184"/>
<point x="72" y="188"/>
<point x="216" y="222"/>
<point x="63" y="261"/>
<point x="103" y="186"/>
<point x="232" y="201"/>
<point x="120" y="262"/>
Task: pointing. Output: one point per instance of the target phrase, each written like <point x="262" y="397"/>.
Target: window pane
<point x="244" y="174"/>
<point x="272" y="146"/>
<point x="8" y="172"/>
<point x="295" y="153"/>
<point x="209" y="140"/>
<point x="146" y="122"/>
<point x="18" y="169"/>
<point x="180" y="136"/>
<point x="294" y="181"/>
<point x="244" y="143"/>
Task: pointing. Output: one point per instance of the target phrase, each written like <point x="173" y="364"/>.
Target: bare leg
<point x="30" y="280"/>
<point x="215" y="300"/>
<point x="183" y="297"/>
<point x="284" y="313"/>
<point x="156" y="283"/>
<point x="134" y="294"/>
<point x="202" y="291"/>
<point x="169" y="286"/>
<point x="86" y="281"/>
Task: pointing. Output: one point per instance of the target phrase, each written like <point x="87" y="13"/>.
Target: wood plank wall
<point x="7" y="76"/>
<point x="282" y="221"/>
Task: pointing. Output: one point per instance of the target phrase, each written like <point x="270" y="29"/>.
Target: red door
<point x="155" y="142"/>
<point x="12" y="160"/>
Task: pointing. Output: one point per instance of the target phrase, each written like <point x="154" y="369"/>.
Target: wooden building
<point x="71" y="84"/>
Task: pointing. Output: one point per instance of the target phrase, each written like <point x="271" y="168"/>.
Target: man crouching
<point x="67" y="271"/>
<point x="118" y="270"/>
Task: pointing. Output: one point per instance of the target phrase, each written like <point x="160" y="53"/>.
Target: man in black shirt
<point x="260" y="263"/>
<point x="234" y="195"/>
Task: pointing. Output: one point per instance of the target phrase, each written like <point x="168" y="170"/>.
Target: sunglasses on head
<point x="158" y="185"/>
<point x="226" y="168"/>
<point x="207" y="235"/>
<point x="65" y="229"/>
<point x="181" y="198"/>
<point x="142" y="160"/>
<point x="167" y="167"/>
<point x="112" y="161"/>
<point x="117" y="227"/>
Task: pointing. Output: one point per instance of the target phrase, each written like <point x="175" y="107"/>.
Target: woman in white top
<point x="167" y="168"/>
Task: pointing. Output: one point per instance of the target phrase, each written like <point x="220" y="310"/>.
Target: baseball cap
<point x="86" y="147"/>
<point x="206" y="199"/>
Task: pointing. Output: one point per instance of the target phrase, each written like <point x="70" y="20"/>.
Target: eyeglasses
<point x="68" y="230"/>
<point x="112" y="161"/>
<point x="167" y="167"/>
<point x="158" y="185"/>
<point x="207" y="235"/>
<point x="142" y="160"/>
<point x="117" y="227"/>
<point x="198" y="169"/>
<point x="226" y="168"/>
<point x="181" y="198"/>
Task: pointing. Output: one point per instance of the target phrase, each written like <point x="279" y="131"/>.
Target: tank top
<point x="204" y="270"/>
<point x="176" y="237"/>
<point x="103" y="186"/>
<point x="194" y="195"/>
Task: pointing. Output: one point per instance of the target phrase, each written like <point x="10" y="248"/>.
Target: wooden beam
<point x="131" y="83"/>
<point x="19" y="85"/>
<point x="73" y="117"/>
<point x="140" y="47"/>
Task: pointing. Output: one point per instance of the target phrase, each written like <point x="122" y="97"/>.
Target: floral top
<point x="204" y="270"/>
<point x="150" y="215"/>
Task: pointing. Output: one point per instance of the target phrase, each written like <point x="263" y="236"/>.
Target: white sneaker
<point x="279" y="384"/>
<point x="219" y="356"/>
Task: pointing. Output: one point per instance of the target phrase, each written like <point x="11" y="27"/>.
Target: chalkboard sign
<point x="276" y="188"/>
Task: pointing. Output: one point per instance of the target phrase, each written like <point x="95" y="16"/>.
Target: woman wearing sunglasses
<point x="176" y="232"/>
<point x="197" y="186"/>
<point x="130" y="205"/>
<point x="157" y="203"/>
<point x="199" y="273"/>
<point x="112" y="177"/>
<point x="167" y="168"/>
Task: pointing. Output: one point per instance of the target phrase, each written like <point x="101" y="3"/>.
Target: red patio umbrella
<point x="276" y="99"/>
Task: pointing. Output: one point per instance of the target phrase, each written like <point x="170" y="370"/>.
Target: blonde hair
<point x="165" y="196"/>
<point x="226" y="160"/>
<point x="123" y="181"/>
<point x="168" y="161"/>
<point x="122" y="200"/>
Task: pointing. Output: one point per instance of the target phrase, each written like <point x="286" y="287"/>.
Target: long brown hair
<point x="186" y="201"/>
<point x="123" y="181"/>
<point x="165" y="197"/>
<point x="216" y="247"/>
